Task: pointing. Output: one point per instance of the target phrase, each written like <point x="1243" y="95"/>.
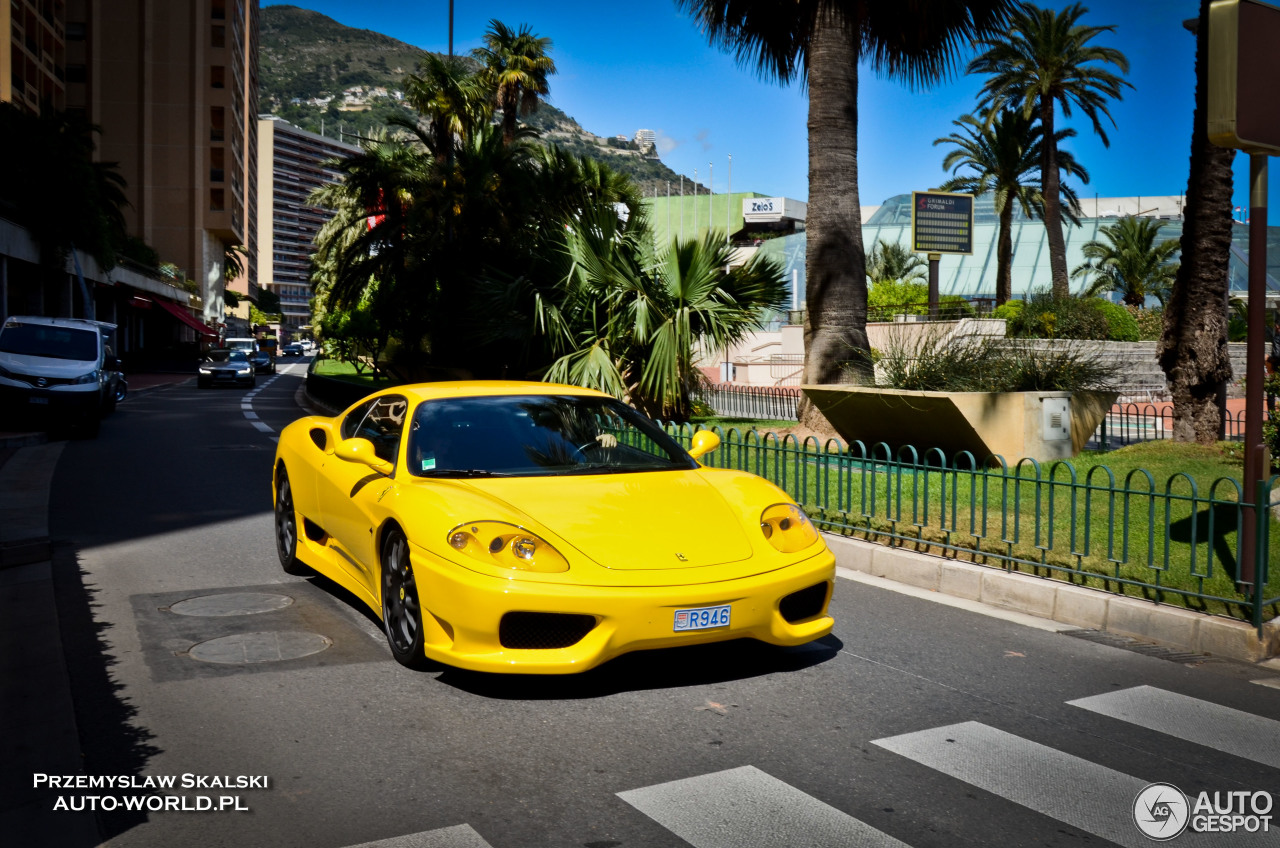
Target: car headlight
<point x="205" y="370"/>
<point x="91" y="377"/>
<point x="787" y="528"/>
<point x="506" y="546"/>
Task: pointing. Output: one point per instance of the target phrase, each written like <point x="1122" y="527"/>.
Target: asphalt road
<point x="914" y="723"/>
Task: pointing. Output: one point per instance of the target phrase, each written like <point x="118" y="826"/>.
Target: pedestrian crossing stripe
<point x="747" y="808"/>
<point x="461" y="836"/>
<point x="1211" y="725"/>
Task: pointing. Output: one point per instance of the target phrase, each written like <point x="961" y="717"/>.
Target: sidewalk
<point x="138" y="384"/>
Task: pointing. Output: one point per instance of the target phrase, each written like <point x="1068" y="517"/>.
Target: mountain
<point x="341" y="81"/>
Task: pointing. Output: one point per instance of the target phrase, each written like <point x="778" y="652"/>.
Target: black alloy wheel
<point x="401" y="611"/>
<point x="287" y="528"/>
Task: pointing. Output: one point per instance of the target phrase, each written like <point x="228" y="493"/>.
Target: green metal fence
<point x="1171" y="541"/>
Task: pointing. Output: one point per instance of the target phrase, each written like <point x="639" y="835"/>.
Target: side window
<point x="382" y="424"/>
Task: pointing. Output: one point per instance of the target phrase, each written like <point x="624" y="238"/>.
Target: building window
<point x="217" y="123"/>
<point x="76" y="73"/>
<point x="217" y="200"/>
<point x="217" y="161"/>
<point x="218" y="36"/>
<point x="75" y="31"/>
<point x="218" y="76"/>
<point x="218" y="10"/>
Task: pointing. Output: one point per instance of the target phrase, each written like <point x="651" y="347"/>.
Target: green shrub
<point x="1010" y="310"/>
<point x="1120" y="324"/>
<point x="1045" y="317"/>
<point x="953" y="307"/>
<point x="1150" y="322"/>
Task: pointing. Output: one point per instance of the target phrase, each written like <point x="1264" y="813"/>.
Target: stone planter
<point x="1040" y="425"/>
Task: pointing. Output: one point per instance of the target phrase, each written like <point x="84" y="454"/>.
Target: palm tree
<point x="1130" y="261"/>
<point x="451" y="97"/>
<point x="1004" y="158"/>
<point x="516" y="67"/>
<point x="820" y="43"/>
<point x="892" y="261"/>
<point x="629" y="317"/>
<point x="1045" y="61"/>
<point x="1193" y="346"/>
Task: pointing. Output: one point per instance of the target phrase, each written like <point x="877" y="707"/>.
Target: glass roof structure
<point x="974" y="275"/>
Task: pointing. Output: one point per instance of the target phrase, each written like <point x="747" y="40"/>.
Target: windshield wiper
<point x="462" y="472"/>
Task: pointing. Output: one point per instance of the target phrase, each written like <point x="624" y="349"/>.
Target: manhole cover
<point x="233" y="603"/>
<point x="269" y="646"/>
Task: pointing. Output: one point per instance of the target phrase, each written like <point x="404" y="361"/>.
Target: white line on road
<point x="461" y="836"/>
<point x="1085" y="795"/>
<point x="747" y="808"/>
<point x="1212" y="725"/>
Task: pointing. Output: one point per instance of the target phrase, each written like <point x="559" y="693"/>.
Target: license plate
<point x="702" y="618"/>
<point x="38" y="400"/>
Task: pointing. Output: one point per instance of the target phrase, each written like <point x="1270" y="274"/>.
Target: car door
<point x="349" y="491"/>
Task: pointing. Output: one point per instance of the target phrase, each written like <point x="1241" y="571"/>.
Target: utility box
<point x="1055" y="423"/>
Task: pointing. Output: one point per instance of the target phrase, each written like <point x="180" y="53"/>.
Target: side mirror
<point x="704" y="442"/>
<point x="361" y="451"/>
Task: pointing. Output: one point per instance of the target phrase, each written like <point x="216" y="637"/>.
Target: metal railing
<point x="777" y="403"/>
<point x="1172" y="542"/>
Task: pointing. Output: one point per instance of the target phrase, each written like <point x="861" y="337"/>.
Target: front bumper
<point x="62" y="401"/>
<point x="466" y="611"/>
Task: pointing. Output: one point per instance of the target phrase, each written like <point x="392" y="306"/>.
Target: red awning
<point x="185" y="317"/>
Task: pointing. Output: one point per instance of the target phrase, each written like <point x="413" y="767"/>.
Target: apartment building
<point x="290" y="166"/>
<point x="33" y="46"/>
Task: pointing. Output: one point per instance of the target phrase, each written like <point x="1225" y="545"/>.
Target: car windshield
<point x="536" y="435"/>
<point x="227" y="356"/>
<point x="50" y="341"/>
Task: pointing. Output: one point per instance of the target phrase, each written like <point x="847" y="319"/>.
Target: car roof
<point x="83" y="323"/>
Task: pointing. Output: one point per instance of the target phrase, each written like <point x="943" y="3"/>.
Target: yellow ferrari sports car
<point x="544" y="529"/>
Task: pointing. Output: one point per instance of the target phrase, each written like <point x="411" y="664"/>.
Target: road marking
<point x="1202" y="722"/>
<point x="263" y="428"/>
<point x="1085" y="795"/>
<point x="747" y="808"/>
<point x="460" y="836"/>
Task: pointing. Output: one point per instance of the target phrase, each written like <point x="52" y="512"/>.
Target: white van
<point x="61" y="370"/>
<point x="247" y="345"/>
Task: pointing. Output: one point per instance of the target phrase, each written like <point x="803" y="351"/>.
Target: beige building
<point x="173" y="85"/>
<point x="33" y="46"/>
<point x="291" y="166"/>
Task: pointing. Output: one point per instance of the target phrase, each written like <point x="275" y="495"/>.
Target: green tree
<point x="450" y="96"/>
<point x="516" y="67"/>
<point x="893" y="262"/>
<point x="1043" y="62"/>
<point x="1193" y="344"/>
<point x="820" y="43"/>
<point x="1004" y="157"/>
<point x="63" y="198"/>
<point x="630" y="317"/>
<point x="1130" y="260"/>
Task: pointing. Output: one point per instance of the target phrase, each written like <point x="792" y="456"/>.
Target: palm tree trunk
<point x="1051" y="186"/>
<point x="1004" y="253"/>
<point x="1193" y="346"/>
<point x="835" y="330"/>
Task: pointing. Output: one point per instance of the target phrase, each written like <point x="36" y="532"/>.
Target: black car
<point x="293" y="350"/>
<point x="262" y="362"/>
<point x="222" y="367"/>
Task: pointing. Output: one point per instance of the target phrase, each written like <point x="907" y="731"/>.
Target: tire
<point x="286" y="521"/>
<point x="401" y="610"/>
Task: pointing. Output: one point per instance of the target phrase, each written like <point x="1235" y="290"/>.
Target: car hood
<point x="628" y="522"/>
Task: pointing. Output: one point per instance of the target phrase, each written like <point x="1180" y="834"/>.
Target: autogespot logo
<point x="1161" y="811"/>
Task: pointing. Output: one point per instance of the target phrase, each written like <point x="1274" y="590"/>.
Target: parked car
<point x="59" y="371"/>
<point x="535" y="528"/>
<point x="293" y="350"/>
<point x="262" y="362"/>
<point x="222" y="366"/>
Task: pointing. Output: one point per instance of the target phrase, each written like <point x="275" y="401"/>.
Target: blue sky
<point x="624" y="66"/>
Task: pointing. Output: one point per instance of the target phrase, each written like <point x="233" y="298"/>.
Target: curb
<point x="1055" y="600"/>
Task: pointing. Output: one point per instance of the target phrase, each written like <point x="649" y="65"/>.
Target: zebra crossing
<point x="745" y="807"/>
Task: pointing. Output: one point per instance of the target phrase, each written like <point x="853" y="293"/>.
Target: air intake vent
<point x="806" y="603"/>
<point x="543" y="630"/>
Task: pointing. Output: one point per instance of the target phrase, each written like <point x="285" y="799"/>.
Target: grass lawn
<point x="346" y="372"/>
<point x="1158" y="520"/>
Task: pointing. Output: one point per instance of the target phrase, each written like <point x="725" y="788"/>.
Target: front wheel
<point x="287" y="528"/>
<point x="401" y="611"/>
